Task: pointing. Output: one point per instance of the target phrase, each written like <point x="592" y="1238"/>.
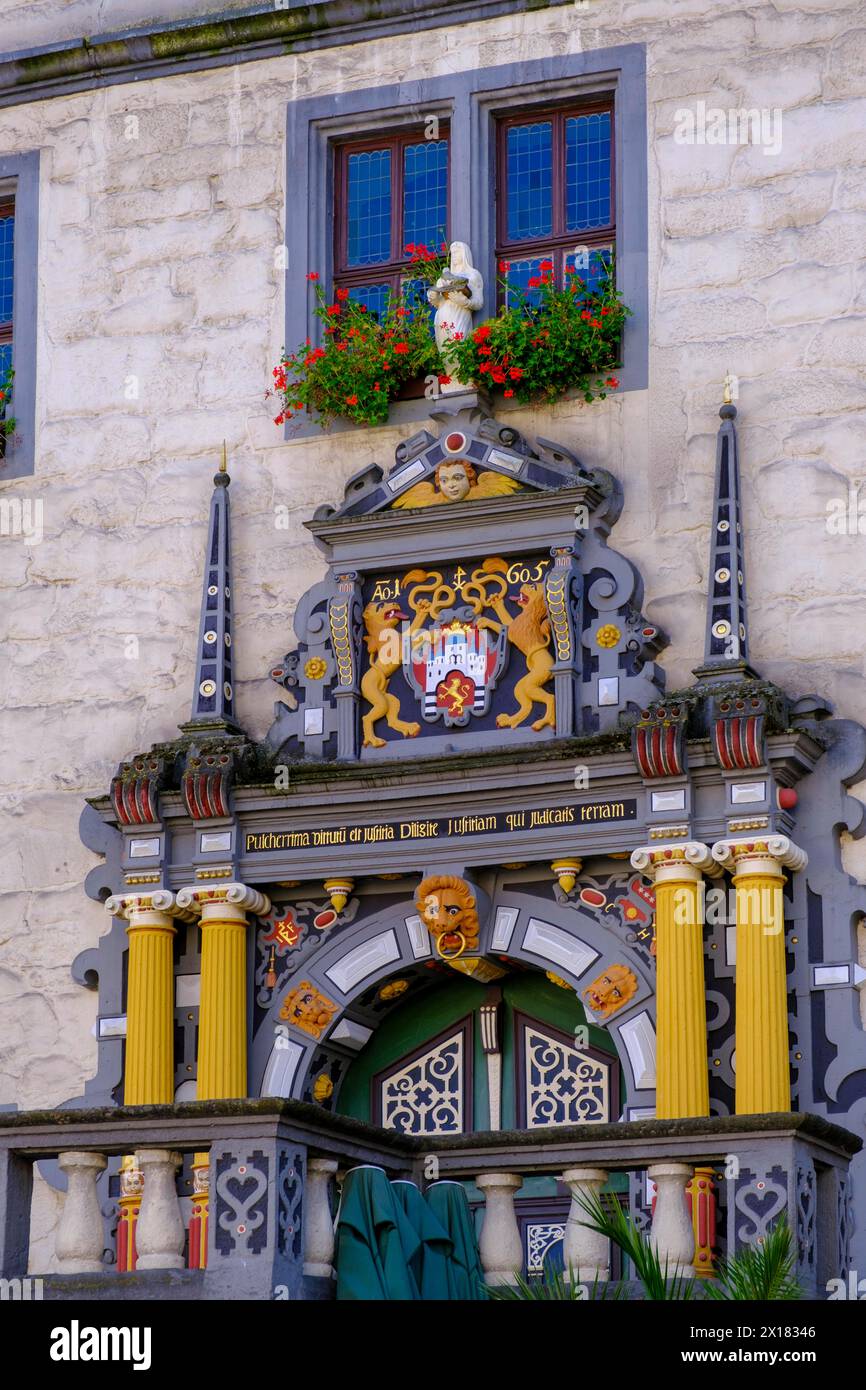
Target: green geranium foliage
<point x="542" y="345"/>
<point x="7" y="419"/>
<point x="362" y="364"/>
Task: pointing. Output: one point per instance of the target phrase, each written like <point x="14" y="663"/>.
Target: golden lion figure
<point x="446" y="905"/>
<point x="529" y="632"/>
<point x="382" y="621"/>
<point x="611" y="991"/>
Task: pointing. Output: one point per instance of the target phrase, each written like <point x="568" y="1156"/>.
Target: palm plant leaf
<point x="659" y="1281"/>
<point x="759" y="1272"/>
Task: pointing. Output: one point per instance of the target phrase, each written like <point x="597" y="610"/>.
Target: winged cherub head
<point x="455" y="479"/>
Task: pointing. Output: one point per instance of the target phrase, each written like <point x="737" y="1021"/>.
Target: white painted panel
<point x="639" y="1037"/>
<point x="558" y="946"/>
<point x="506" y="921"/>
<point x="419" y="938"/>
<point x="187" y="991"/>
<point x="364" y="960"/>
<point x="351" y="1034"/>
<point x="281" y="1068"/>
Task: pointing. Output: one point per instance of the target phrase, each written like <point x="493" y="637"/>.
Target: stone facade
<point x="162" y="207"/>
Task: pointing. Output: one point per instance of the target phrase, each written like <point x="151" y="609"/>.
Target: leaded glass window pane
<point x="7" y="232"/>
<point x="425" y="193"/>
<point x="530" y="180"/>
<point x="517" y="277"/>
<point x="587" y="171"/>
<point x="369" y="212"/>
<point x="592" y="267"/>
<point x="374" y="296"/>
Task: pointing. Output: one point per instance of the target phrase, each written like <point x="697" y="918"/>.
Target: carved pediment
<point x="471" y="601"/>
<point x="473" y="458"/>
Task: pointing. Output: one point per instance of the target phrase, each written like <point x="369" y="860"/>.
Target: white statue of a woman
<point x="458" y="291"/>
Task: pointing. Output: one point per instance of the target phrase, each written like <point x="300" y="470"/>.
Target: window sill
<point x="410" y="412"/>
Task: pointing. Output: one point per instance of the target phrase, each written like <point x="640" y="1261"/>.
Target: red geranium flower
<point x="508" y="393"/>
<point x="402" y="348"/>
<point x="312" y="275"/>
<point x="333" y="308"/>
<point x="503" y="266"/>
<point x="351" y="400"/>
<point x="545" y="265"/>
<point x="342" y="294"/>
<point x="612" y="381"/>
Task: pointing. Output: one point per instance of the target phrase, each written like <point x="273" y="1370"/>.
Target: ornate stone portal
<point x="474" y="770"/>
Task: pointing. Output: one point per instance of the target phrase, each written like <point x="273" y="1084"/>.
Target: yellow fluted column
<point x="222" y="1022"/>
<point x="682" y="1086"/>
<point x="762" y="1059"/>
<point x="149" y="1072"/>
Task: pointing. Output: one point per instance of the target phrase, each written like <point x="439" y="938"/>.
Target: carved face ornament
<point x="611" y="991"/>
<point x="453" y="479"/>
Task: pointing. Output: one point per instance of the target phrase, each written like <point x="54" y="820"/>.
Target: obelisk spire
<point x="213" y="692"/>
<point x="726" y="645"/>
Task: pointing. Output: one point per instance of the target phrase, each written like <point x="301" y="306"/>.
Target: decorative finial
<point x="729" y="410"/>
<point x="222" y="479"/>
<point x="726" y="649"/>
<point x="213" y="690"/>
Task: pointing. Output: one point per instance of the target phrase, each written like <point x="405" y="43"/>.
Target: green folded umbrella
<point x="375" y="1244"/>
<point x="448" y="1202"/>
<point x="435" y="1251"/>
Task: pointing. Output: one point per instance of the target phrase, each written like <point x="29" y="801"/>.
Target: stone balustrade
<point x="272" y="1171"/>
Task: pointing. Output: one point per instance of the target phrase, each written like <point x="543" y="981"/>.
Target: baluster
<point x="672" y="1232"/>
<point x="318" y="1221"/>
<point x="159" y="1234"/>
<point x="80" y="1237"/>
<point x="585" y="1252"/>
<point x="500" y="1245"/>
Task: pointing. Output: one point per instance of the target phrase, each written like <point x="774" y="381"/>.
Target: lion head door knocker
<point x="448" y="908"/>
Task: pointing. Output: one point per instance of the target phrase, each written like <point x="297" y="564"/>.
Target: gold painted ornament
<point x="393" y="989"/>
<point x="566" y="871"/>
<point x="323" y="1087"/>
<point x="338" y="890"/>
<point x="608" y="636"/>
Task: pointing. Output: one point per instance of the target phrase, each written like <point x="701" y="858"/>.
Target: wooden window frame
<point x="397" y="267"/>
<point x="560" y="242"/>
<point x="7" y="209"/>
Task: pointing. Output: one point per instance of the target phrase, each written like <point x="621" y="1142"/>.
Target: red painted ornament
<point x="787" y="798"/>
<point x="455" y="443"/>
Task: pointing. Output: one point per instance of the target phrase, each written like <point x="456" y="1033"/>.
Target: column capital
<point x="226" y="901"/>
<point x="154" y="909"/>
<point x="767" y="856"/>
<point x="675" y="863"/>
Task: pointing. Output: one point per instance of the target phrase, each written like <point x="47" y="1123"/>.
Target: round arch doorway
<point x="429" y="1069"/>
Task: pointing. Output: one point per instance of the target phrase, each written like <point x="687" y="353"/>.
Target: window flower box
<point x="545" y="341"/>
